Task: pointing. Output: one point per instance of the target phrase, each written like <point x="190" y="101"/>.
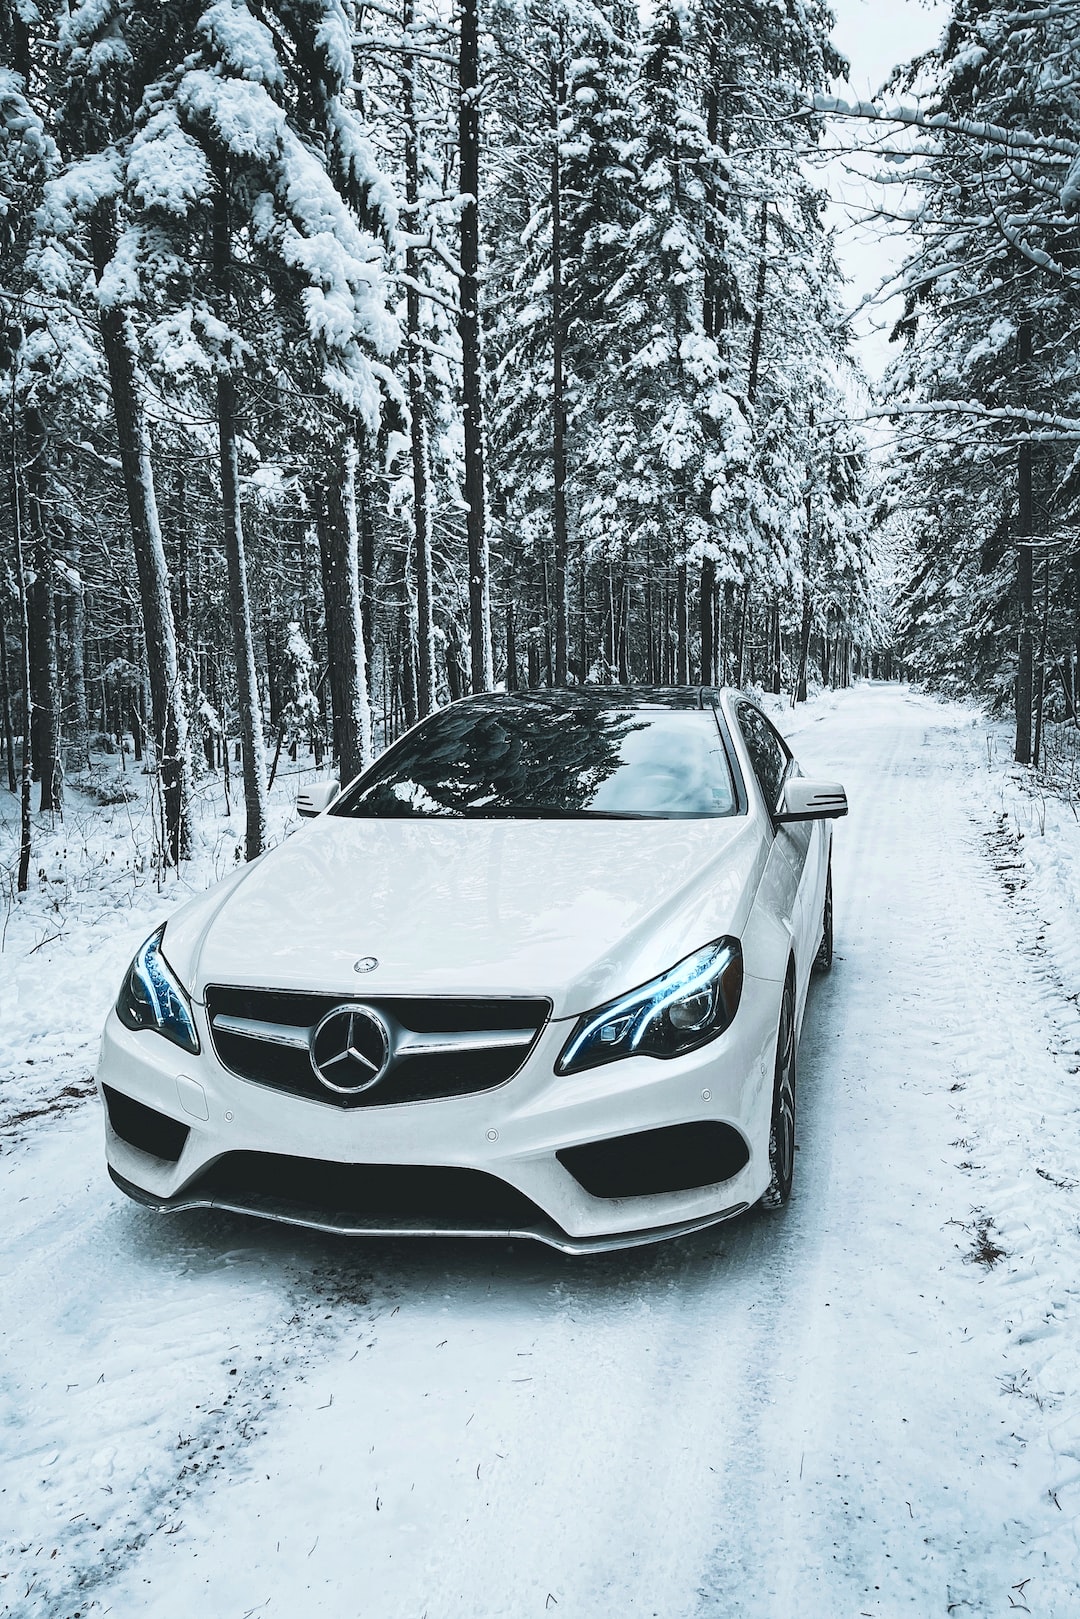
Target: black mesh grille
<point x="386" y="1194"/>
<point x="676" y="1158"/>
<point x="144" y="1127"/>
<point x="410" y="1079"/>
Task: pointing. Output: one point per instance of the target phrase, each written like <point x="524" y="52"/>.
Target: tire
<point x="782" y="1122"/>
<point x="824" y="957"/>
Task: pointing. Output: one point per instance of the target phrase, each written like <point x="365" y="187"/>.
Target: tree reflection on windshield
<point x="529" y="757"/>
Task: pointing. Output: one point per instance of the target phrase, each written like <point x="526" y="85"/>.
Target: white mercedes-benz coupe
<point x="539" y="972"/>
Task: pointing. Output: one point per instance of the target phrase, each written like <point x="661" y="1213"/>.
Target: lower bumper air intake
<point x="676" y="1158"/>
<point x="144" y="1127"/>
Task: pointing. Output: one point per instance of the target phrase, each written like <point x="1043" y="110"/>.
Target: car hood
<point x="572" y="910"/>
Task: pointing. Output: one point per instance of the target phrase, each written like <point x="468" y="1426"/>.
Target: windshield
<point x="530" y="758"/>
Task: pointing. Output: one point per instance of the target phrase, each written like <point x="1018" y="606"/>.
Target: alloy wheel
<point x="782" y="1129"/>
<point x="824" y="957"/>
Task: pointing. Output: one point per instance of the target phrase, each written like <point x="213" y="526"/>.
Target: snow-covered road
<point x="836" y="1411"/>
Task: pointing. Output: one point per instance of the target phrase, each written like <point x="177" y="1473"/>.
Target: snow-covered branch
<point x="995" y="135"/>
<point x="1052" y="428"/>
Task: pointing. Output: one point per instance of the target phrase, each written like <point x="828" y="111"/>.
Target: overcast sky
<point x="875" y="35"/>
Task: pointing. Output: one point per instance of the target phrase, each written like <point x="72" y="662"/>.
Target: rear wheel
<point x="823" y="959"/>
<point x="782" y="1124"/>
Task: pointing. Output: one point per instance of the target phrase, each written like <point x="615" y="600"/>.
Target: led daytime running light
<point x="639" y="1019"/>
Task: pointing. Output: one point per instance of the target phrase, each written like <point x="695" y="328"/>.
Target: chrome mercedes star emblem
<point x="366" y="964"/>
<point x="350" y="1049"/>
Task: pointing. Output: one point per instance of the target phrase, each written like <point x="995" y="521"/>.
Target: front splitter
<point x="347" y="1225"/>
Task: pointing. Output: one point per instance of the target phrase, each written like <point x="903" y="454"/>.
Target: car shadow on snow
<point x="480" y="1272"/>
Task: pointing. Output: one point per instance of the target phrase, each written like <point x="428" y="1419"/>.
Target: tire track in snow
<point x="139" y="1358"/>
<point x="891" y="1477"/>
<point x="524" y="1429"/>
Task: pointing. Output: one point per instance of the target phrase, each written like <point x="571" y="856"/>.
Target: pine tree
<point x="988" y="360"/>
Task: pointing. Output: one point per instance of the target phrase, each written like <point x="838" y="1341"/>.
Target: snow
<point x="238" y="111"/>
<point x="1070" y="191"/>
<point x="244" y="45"/>
<point x="75" y="194"/>
<point x="19" y="126"/>
<point x="852" y="1407"/>
<point x="166" y="168"/>
<point x="119" y="284"/>
<point x="334" y="38"/>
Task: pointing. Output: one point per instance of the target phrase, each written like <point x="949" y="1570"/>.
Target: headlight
<point x="152" y="997"/>
<point x="676" y="1012"/>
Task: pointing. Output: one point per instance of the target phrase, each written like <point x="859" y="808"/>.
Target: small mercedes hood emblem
<point x="366" y="964"/>
<point x="350" y="1049"/>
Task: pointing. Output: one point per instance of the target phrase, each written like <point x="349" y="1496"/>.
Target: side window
<point x="768" y="754"/>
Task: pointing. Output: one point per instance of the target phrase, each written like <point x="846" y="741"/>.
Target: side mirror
<point x="311" y="801"/>
<point x="811" y="801"/>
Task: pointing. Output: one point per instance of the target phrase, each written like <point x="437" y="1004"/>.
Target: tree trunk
<point x="512" y="680"/>
<point x="758" y="329"/>
<point x="800" y="689"/>
<point x="23" y="878"/>
<point x="75" y="660"/>
<point x="547" y="616"/>
<point x="744" y="608"/>
<point x="417" y="382"/>
<point x="41" y="603"/>
<point x="471" y="349"/>
<point x="1024" y="576"/>
<point x="331" y="596"/>
<point x="532" y="656"/>
<point x="44" y="675"/>
<point x="623" y="638"/>
<point x="454" y="662"/>
<point x="406" y="627"/>
<point x="799" y="694"/>
<point x="1040" y="675"/>
<point x="706" y="608"/>
<point x="714" y="316"/>
<point x="343" y="546"/>
<point x="583" y="613"/>
<point x="714" y="309"/>
<point x="5" y="701"/>
<point x="170" y="719"/>
<point x="651" y="676"/>
<point x="364" y="518"/>
<point x="188" y="591"/>
<point x="247" y="686"/>
<point x="558" y="387"/>
<point x="682" y="649"/>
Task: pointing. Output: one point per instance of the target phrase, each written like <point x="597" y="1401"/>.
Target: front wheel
<point x="782" y="1124"/>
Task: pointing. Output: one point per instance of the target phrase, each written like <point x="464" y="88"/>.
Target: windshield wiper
<point x="549" y="812"/>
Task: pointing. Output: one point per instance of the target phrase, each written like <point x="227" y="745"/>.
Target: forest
<point x="355" y="357"/>
<point x="359" y="356"/>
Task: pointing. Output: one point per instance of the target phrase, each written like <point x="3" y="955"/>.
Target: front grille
<point x="378" y="1194"/>
<point x="485" y="1042"/>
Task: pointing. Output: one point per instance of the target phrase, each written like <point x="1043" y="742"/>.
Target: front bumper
<point x="289" y="1214"/>
<point x="512" y="1133"/>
